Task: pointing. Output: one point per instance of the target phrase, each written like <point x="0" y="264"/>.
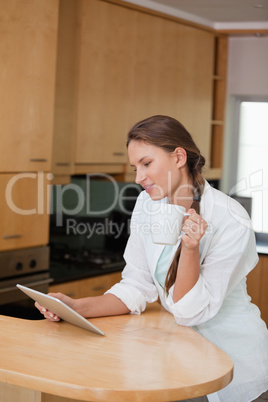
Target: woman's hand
<point x="194" y="228"/>
<point x="188" y="270"/>
<point x="49" y="314"/>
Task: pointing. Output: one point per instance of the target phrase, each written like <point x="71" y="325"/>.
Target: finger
<point x="195" y="217"/>
<point x="191" y="226"/>
<point x="195" y="229"/>
<point x="40" y="308"/>
<point x="51" y="317"/>
<point x="46" y="313"/>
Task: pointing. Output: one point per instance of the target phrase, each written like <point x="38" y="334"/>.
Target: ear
<point x="181" y="157"/>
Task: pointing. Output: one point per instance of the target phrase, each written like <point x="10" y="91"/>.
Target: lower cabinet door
<point x="95" y="286"/>
<point x="257" y="283"/>
<point x="24" y="218"/>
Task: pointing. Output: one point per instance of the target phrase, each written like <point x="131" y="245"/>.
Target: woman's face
<point x="157" y="171"/>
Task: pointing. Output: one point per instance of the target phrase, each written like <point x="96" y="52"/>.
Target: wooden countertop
<point x="141" y="358"/>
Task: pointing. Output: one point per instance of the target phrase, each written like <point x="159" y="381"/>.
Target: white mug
<point x="166" y="222"/>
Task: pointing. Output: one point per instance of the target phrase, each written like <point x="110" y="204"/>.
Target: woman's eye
<point x="147" y="164"/>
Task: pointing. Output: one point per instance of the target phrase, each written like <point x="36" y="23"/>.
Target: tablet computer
<point x="61" y="309"/>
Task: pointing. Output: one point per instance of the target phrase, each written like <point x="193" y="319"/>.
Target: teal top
<point x="162" y="266"/>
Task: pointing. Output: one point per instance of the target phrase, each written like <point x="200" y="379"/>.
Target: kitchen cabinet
<point x="64" y="110"/>
<point x="104" y="79"/>
<point x="24" y="219"/>
<point x="173" y="66"/>
<point x="257" y="284"/>
<point x="94" y="286"/>
<point x="88" y="71"/>
<point x="130" y="65"/>
<point x="28" y="48"/>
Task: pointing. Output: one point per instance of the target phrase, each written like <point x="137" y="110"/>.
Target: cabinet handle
<point x="38" y="160"/>
<point x="63" y="164"/>
<point x="97" y="288"/>
<point x="118" y="153"/>
<point x="16" y="236"/>
<point x="30" y="284"/>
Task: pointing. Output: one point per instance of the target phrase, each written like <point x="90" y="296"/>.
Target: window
<point x="252" y="160"/>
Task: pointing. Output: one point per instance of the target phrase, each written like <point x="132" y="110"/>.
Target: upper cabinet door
<point x="28" y="32"/>
<point x="173" y="72"/>
<point x="104" y="80"/>
<point x="132" y="65"/>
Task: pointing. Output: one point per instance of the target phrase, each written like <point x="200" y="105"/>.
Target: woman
<point x="202" y="279"/>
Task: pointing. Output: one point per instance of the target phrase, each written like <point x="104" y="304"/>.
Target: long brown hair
<point x="168" y="134"/>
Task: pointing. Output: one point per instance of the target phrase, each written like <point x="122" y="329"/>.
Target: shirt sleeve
<point x="137" y="287"/>
<point x="230" y="257"/>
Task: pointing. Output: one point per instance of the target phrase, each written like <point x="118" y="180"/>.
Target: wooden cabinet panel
<point x="28" y="31"/>
<point x="173" y="69"/>
<point x="257" y="284"/>
<point x="219" y="99"/>
<point x="11" y="393"/>
<point x="24" y="219"/>
<point x="105" y="42"/>
<point x="64" y="118"/>
<point x="95" y="286"/>
<point x="132" y="65"/>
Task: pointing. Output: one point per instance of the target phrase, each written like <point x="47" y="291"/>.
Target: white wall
<point x="248" y="66"/>
<point x="247" y="76"/>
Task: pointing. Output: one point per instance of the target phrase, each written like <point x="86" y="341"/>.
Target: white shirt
<point x="218" y="306"/>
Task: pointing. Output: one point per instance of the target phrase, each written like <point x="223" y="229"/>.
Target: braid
<point x="172" y="271"/>
<point x="198" y="187"/>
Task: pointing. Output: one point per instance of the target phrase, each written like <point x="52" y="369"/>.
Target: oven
<point x="28" y="267"/>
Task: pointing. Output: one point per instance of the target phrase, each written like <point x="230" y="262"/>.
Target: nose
<point x="140" y="176"/>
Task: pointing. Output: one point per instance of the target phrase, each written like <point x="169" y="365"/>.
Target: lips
<point x="148" y="188"/>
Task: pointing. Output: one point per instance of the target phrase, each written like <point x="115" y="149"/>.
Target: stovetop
<point x="68" y="264"/>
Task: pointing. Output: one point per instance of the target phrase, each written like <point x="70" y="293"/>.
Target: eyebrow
<point x="140" y="160"/>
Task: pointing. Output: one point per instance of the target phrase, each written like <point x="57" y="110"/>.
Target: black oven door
<point x="28" y="267"/>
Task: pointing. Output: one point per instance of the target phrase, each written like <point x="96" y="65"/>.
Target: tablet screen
<point x="61" y="309"/>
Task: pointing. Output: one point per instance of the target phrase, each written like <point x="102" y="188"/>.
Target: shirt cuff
<point x="190" y="304"/>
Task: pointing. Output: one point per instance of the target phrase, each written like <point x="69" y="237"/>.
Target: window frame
<point x="232" y="146"/>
